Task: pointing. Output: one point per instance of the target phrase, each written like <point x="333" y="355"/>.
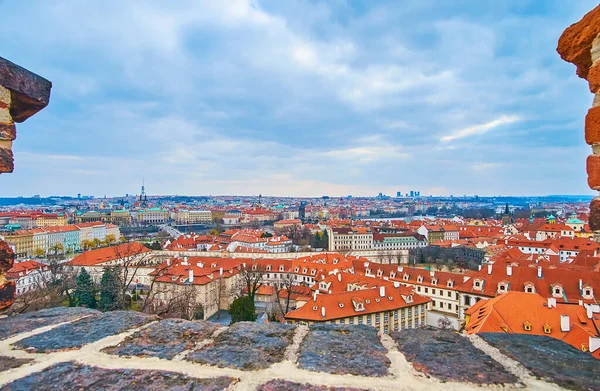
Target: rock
<point x="76" y="377"/>
<point x="549" y="359"/>
<point x="284" y="385"/>
<point x="7" y="363"/>
<point x="343" y="349"/>
<point x="447" y="356"/>
<point x="164" y="339"/>
<point x="246" y="346"/>
<point x="16" y="324"/>
<point x="81" y="332"/>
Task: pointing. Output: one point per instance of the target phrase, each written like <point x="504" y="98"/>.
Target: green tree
<point x="85" y="294"/>
<point x="325" y="240"/>
<point x="242" y="309"/>
<point x="109" y="291"/>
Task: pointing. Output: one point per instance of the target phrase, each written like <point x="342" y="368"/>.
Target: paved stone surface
<point x="7" y="363"/>
<point x="164" y="339"/>
<point x="447" y="356"/>
<point x="284" y="385"/>
<point x="246" y="346"/>
<point x="343" y="349"/>
<point x="13" y="325"/>
<point x="72" y="376"/>
<point x="84" y="331"/>
<point x="549" y="359"/>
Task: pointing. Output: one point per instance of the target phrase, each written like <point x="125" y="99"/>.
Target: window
<point x="342" y="321"/>
<point x="396" y="315"/>
<point x="377" y="319"/>
<point x="527" y="326"/>
<point x="369" y="319"/>
<point x="360" y="320"/>
<point x="547" y="328"/>
<point x="351" y="321"/>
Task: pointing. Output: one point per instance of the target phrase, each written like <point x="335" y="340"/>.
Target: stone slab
<point x="549" y="359"/>
<point x="284" y="385"/>
<point x="447" y="356"/>
<point x="17" y="324"/>
<point x="246" y="346"/>
<point x="71" y="376"/>
<point x="84" y="331"/>
<point x="164" y="339"/>
<point x="343" y="349"/>
<point x="7" y="363"/>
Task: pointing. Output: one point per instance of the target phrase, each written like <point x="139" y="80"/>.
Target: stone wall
<point x="22" y="94"/>
<point x="580" y="45"/>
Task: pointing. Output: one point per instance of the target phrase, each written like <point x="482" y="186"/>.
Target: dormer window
<point x="213" y="265"/>
<point x="368" y="301"/>
<point x="281" y="268"/>
<point x="379" y="273"/>
<point x="434" y="281"/>
<point x="420" y="279"/>
<point x="313" y="272"/>
<point x="588" y="292"/>
<point x="377" y="300"/>
<point x="405" y="277"/>
<point x="253" y="267"/>
<point x="268" y="268"/>
<point x="341" y="305"/>
<point x="392" y="275"/>
<point x="296" y="269"/>
<point x="368" y="271"/>
<point x="450" y="284"/>
<point x="477" y="284"/>
<point x="358" y="305"/>
<point x="390" y="298"/>
<point x="502" y="287"/>
<point x="304" y="270"/>
<point x="315" y="308"/>
<point x="547" y="328"/>
<point x="527" y="325"/>
<point x="557" y="291"/>
<point x="529" y="288"/>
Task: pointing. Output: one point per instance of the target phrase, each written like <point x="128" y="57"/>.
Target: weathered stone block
<point x="575" y="43"/>
<point x="164" y="339"/>
<point x="594" y="220"/>
<point x="81" y="332"/>
<point x="7" y="363"/>
<point x="29" y="92"/>
<point x="13" y="325"/>
<point x="7" y="288"/>
<point x="72" y="376"/>
<point x="550" y="359"/>
<point x="344" y="349"/>
<point x="7" y="132"/>
<point x="594" y="78"/>
<point x="593" y="171"/>
<point x="592" y="126"/>
<point x="247" y="346"/>
<point x="445" y="355"/>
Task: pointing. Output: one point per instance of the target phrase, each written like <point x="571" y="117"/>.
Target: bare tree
<point x="251" y="280"/>
<point x="287" y="283"/>
<point x="131" y="257"/>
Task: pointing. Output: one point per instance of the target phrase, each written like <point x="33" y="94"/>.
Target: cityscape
<point x="199" y="278"/>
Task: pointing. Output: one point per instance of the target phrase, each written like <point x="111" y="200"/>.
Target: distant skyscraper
<point x="412" y="193"/>
<point x="399" y="194"/>
<point x="302" y="210"/>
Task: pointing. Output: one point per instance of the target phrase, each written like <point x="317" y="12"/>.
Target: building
<point x="184" y="216"/>
<point x="350" y="239"/>
<point x="152" y="216"/>
<point x="531" y="314"/>
<point x="385" y="308"/>
<point x="402" y="241"/>
<point x="28" y="275"/>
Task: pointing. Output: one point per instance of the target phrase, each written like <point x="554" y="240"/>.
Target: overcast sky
<point x="298" y="97"/>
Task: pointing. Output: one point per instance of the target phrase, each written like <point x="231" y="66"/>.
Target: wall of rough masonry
<point x="22" y="94"/>
<point x="580" y="45"/>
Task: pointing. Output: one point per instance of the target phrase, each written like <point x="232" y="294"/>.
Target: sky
<point x="298" y="97"/>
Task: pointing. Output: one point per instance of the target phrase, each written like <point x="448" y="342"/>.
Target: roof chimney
<point x="191" y="278"/>
<point x="479" y="267"/>
<point x="565" y="323"/>
<point x="509" y="270"/>
<point x="382" y="291"/>
<point x="539" y="272"/>
<point x="339" y="277"/>
<point x="168" y="261"/>
<point x="315" y="295"/>
<point x="220" y="271"/>
<point x="432" y="273"/>
<point x="551" y="302"/>
<point x="489" y="268"/>
<point x="594" y="344"/>
<point x="580" y="285"/>
<point x="323" y="311"/>
<point x="590" y="313"/>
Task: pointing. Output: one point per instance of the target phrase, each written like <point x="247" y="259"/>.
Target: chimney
<point x="191" y="278"/>
<point x="594" y="344"/>
<point x="168" y="261"/>
<point x="400" y="269"/>
<point x="323" y="311"/>
<point x="565" y="323"/>
<point x="339" y="277"/>
<point x="509" y="270"/>
<point x="396" y="284"/>
<point x="185" y="259"/>
<point x="489" y="268"/>
<point x="590" y="313"/>
<point x="382" y="291"/>
<point x="551" y="302"/>
<point x="580" y="285"/>
<point x="315" y="295"/>
<point x="539" y="272"/>
<point x="220" y="271"/>
<point x="479" y="267"/>
<point x="366" y="264"/>
<point x="432" y="273"/>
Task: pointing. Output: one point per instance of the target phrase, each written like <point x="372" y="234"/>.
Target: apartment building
<point x="350" y="239"/>
<point x="152" y="216"/>
<point x="185" y="216"/>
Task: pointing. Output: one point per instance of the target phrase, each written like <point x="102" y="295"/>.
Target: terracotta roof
<point x="107" y="254"/>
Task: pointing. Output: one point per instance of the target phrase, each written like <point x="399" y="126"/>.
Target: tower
<point x="143" y="196"/>
<point x="506" y="216"/>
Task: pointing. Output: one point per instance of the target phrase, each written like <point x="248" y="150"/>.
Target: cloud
<point x="480" y="129"/>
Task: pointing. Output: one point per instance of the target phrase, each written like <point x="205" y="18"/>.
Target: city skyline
<point x="299" y="99"/>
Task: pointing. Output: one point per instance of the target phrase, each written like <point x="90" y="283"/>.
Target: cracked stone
<point x="343" y="349"/>
<point x="284" y="385"/>
<point x="447" y="356"/>
<point x="549" y="359"/>
<point x="247" y="346"/>
<point x="164" y="339"/>
<point x="84" y="331"/>
<point x="17" y="324"/>
<point x="71" y="376"/>
<point x="7" y="363"/>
